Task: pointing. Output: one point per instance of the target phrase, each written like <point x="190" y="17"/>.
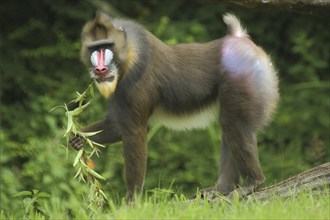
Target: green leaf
<point x="89" y="142"/>
<point x="88" y="134"/>
<point x="79" y="110"/>
<point x="80" y="97"/>
<point x="70" y="124"/>
<point x="97" y="144"/>
<point x="56" y="107"/>
<point x="93" y="173"/>
<point x="28" y="202"/>
<point x="44" y="195"/>
<point x="23" y="193"/>
<point x="78" y="173"/>
<point x="102" y="193"/>
<point x="78" y="157"/>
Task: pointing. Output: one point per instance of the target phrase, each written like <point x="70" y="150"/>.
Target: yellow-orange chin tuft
<point x="107" y="88"/>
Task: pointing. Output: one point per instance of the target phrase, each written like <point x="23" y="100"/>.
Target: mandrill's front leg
<point x="135" y="155"/>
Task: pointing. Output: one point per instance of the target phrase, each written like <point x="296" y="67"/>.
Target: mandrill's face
<point x="103" y="45"/>
<point x="103" y="68"/>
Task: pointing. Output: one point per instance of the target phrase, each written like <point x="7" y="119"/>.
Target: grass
<point x="164" y="204"/>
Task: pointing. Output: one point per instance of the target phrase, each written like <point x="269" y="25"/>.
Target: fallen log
<point x="315" y="179"/>
<point x="310" y="7"/>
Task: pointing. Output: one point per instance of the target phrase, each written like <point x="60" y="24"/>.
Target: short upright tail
<point x="234" y="25"/>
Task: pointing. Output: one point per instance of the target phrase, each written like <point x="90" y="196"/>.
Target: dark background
<point x="40" y="69"/>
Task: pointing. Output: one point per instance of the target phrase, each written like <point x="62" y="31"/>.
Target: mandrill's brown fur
<point x="181" y="87"/>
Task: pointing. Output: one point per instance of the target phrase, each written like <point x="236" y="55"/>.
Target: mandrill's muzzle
<point x="101" y="60"/>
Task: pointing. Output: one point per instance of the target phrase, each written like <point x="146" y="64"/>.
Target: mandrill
<point x="230" y="80"/>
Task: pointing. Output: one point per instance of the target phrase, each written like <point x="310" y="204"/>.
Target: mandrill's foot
<point x="76" y="142"/>
<point x="242" y="192"/>
<point x="214" y="194"/>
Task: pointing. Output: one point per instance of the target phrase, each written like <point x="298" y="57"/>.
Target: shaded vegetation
<point x="40" y="69"/>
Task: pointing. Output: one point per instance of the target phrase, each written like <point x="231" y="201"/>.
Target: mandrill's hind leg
<point x="248" y="97"/>
<point x="229" y="173"/>
<point x="239" y="156"/>
<point x="240" y="118"/>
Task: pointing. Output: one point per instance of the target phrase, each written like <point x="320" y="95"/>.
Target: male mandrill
<point x="181" y="87"/>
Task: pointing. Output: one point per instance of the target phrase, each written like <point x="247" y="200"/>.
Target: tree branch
<point x="312" y="7"/>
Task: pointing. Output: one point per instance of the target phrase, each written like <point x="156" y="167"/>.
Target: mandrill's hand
<point x="76" y="141"/>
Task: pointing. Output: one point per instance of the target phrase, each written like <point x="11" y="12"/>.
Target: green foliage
<point x="40" y="68"/>
<point x="34" y="203"/>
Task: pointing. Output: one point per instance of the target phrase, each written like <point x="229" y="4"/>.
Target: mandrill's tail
<point x="234" y="25"/>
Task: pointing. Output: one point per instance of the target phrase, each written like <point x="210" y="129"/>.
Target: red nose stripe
<point x="100" y="69"/>
<point x="100" y="58"/>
